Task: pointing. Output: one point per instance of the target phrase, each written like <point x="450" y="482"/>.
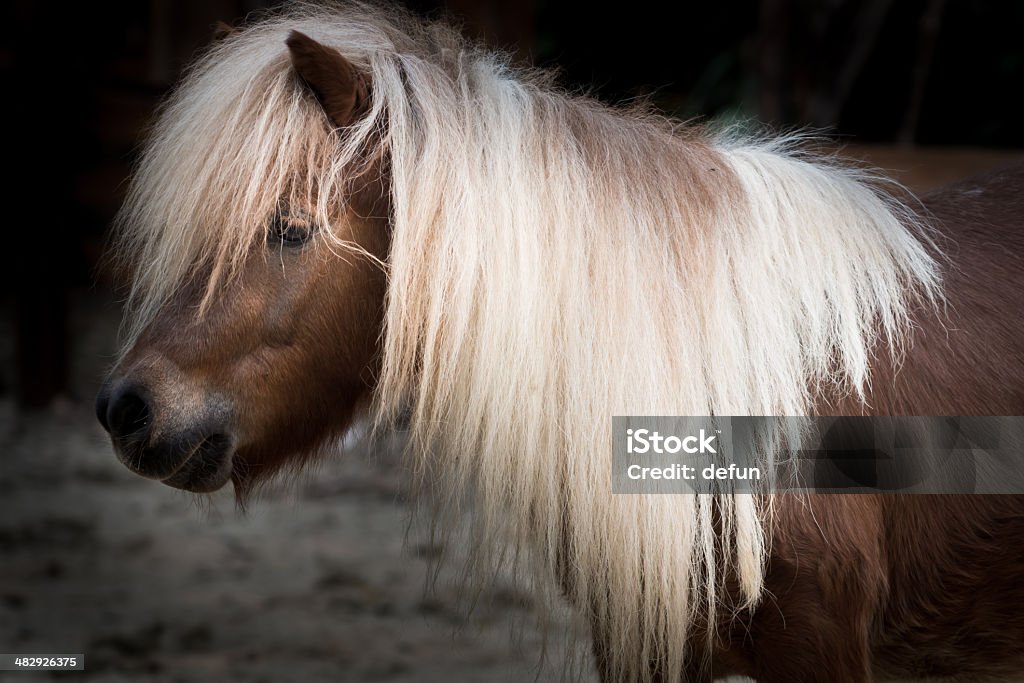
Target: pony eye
<point x="289" y="230"/>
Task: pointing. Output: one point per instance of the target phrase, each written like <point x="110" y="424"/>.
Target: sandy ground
<point x="316" y="582"/>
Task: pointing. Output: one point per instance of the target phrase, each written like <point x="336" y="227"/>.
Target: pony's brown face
<point x="285" y="351"/>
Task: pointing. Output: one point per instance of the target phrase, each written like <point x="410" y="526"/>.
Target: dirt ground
<point x="316" y="582"/>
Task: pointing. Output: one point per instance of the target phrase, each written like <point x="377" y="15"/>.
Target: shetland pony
<point x="349" y="211"/>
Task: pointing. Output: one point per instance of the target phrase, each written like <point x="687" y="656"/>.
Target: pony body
<point x="550" y="262"/>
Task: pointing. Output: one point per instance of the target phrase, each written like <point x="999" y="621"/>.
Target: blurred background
<point x="313" y="583"/>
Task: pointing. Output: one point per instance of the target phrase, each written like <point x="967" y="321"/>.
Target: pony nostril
<point x="127" y="414"/>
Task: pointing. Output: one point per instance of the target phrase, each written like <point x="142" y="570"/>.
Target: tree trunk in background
<point x="772" y="38"/>
<point x="930" y="24"/>
<point x="48" y="117"/>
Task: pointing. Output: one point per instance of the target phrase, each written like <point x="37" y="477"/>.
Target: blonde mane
<point x="553" y="262"/>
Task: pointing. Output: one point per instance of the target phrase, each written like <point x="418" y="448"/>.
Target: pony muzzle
<point x="182" y="438"/>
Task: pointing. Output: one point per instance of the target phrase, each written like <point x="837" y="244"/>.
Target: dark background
<point x="82" y="80"/>
<point x="313" y="583"/>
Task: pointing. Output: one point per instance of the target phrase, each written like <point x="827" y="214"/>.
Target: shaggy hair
<point x="553" y="262"/>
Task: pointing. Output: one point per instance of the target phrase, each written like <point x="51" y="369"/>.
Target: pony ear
<point x="337" y="84"/>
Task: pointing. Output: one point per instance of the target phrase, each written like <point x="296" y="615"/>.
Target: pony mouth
<point x="207" y="468"/>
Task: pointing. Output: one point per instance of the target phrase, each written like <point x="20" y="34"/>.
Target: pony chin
<point x="253" y="473"/>
<point x="257" y="468"/>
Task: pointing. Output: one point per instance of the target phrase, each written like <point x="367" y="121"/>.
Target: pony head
<point x="255" y="229"/>
<point x="374" y="211"/>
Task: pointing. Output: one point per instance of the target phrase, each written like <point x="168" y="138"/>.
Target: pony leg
<point x="809" y="632"/>
<point x="801" y="656"/>
<point x="696" y="671"/>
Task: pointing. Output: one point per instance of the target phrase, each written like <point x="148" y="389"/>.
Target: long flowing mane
<point x="553" y="262"/>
